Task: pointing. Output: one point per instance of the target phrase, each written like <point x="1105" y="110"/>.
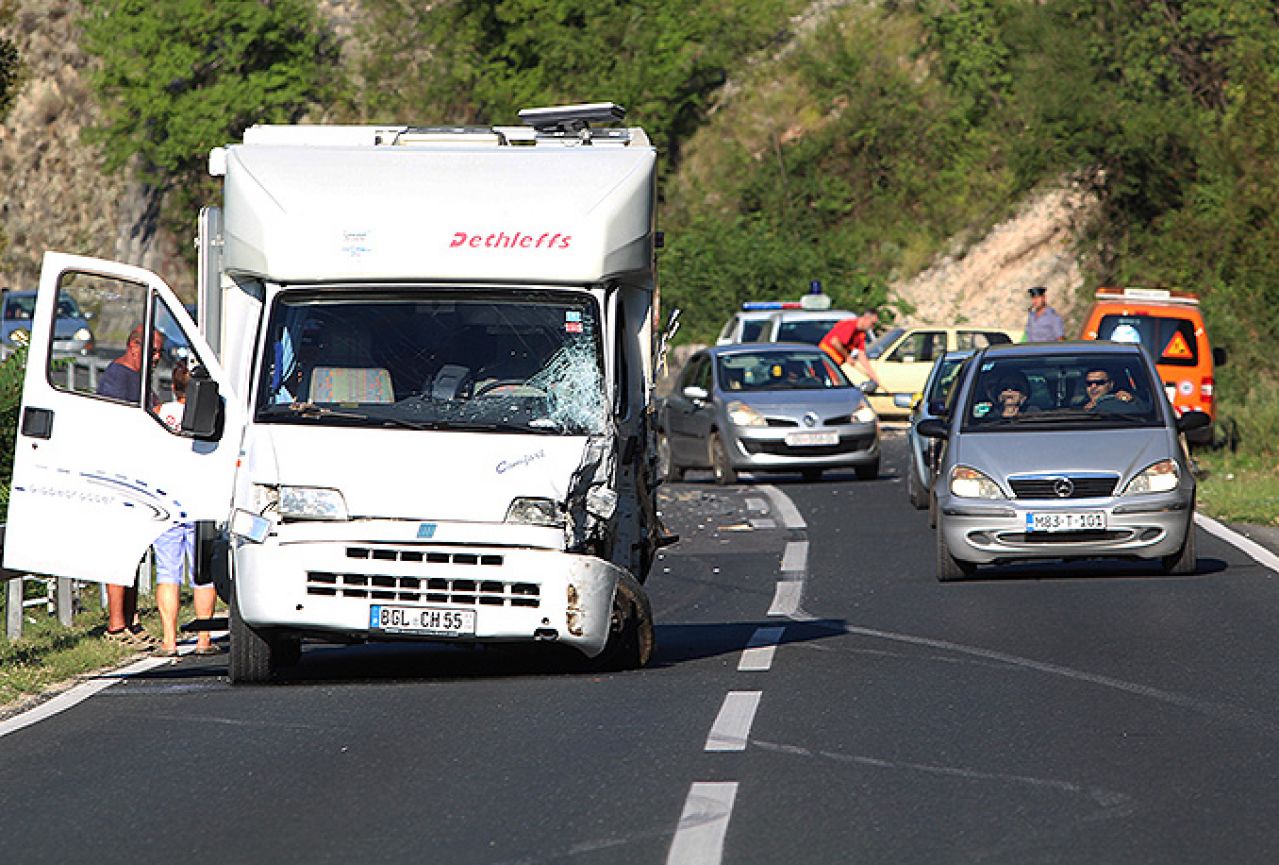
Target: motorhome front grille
<point x="1064" y="487"/>
<point x="430" y="590"/>
<point x="416" y="556"/>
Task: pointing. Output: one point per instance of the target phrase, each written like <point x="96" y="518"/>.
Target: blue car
<point x="72" y="335"/>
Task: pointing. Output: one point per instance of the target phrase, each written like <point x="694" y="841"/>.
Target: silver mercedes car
<point x="765" y="407"/>
<point x="1062" y="450"/>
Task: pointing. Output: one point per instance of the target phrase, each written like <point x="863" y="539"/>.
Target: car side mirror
<point x="933" y="428"/>
<point x="698" y="394"/>
<point x="1193" y="420"/>
<point x="1218" y="356"/>
<point x="937" y="407"/>
<point x="202" y="418"/>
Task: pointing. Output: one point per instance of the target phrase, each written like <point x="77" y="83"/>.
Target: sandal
<point x="140" y="637"/>
<point x="208" y="650"/>
<point x="167" y="653"/>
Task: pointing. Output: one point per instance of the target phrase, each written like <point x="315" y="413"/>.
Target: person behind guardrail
<point x="122" y="380"/>
<point x="176" y="548"/>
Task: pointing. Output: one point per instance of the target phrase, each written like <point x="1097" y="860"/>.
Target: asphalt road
<point x="816" y="697"/>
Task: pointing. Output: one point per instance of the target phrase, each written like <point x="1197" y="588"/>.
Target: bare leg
<point x="206" y="599"/>
<point x="166" y="600"/>
<point x="116" y="620"/>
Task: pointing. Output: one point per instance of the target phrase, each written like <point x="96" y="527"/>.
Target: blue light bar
<point x="755" y="305"/>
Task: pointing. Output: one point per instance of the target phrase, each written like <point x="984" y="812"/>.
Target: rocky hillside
<point x="57" y="196"/>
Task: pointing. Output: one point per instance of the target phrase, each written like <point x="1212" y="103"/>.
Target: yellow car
<point x="903" y="357"/>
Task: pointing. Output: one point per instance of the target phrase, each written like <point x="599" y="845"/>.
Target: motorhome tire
<point x="252" y="652"/>
<point x="630" y="637"/>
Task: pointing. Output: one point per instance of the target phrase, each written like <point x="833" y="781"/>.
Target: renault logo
<point x="810" y="419"/>
<point x="1063" y="487"/>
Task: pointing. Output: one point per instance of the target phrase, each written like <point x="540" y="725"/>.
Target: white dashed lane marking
<point x="699" y="838"/>
<point x="732" y="726"/>
<point x="758" y="655"/>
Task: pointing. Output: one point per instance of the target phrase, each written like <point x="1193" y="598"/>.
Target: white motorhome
<point x="419" y="394"/>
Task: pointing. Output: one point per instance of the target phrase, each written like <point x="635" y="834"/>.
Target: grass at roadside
<point x="1239" y="488"/>
<point x="48" y="654"/>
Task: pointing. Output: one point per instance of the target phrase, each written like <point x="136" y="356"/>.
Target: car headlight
<point x="968" y="483"/>
<point x="1162" y="477"/>
<point x="312" y="503"/>
<point x="743" y="415"/>
<point x="83" y="335"/>
<point x="530" y="511"/>
<point x="864" y="413"/>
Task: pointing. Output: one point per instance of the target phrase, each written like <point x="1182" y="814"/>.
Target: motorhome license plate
<point x="1080" y="521"/>
<point x="813" y="437"/>
<point x="428" y="621"/>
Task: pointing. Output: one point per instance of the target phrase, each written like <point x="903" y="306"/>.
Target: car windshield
<point x="883" y="343"/>
<point x="810" y="330"/>
<point x="1169" y="340"/>
<point x="492" y="360"/>
<point x="1066" y="390"/>
<point x="778" y="370"/>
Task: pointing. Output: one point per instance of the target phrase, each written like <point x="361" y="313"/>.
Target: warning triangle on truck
<point x="1177" y="347"/>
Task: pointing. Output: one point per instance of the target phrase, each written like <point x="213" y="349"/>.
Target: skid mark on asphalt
<point x="1110" y="799"/>
<point x="1243" y="717"/>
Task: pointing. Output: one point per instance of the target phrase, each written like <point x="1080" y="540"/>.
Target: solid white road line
<point x="758" y="655"/>
<point x="76" y="695"/>
<point x="763" y="523"/>
<point x="699" y="838"/>
<point x="786" y="598"/>
<point x="732" y="726"/>
<point x="795" y="557"/>
<point x="783" y="508"/>
<point x="758" y="505"/>
<point x="1260" y="554"/>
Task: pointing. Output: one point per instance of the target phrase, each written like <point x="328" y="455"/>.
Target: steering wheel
<point x="488" y="386"/>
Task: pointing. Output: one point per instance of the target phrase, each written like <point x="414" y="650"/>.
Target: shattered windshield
<point x="487" y="360"/>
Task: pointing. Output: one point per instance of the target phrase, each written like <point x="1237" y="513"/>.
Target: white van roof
<point x="343" y="203"/>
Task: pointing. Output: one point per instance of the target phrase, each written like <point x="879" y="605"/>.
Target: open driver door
<point x="97" y="474"/>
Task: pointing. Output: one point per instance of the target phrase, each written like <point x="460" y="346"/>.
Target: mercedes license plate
<point x="427" y="621"/>
<point x="1068" y="521"/>
<point x="812" y="437"/>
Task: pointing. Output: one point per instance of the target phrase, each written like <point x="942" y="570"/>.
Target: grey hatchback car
<point x="1062" y="451"/>
<point x="773" y="407"/>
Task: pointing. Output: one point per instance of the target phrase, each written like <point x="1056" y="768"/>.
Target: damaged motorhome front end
<point x="421" y="391"/>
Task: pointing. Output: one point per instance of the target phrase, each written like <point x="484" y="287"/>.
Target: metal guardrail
<point x="61" y="594"/>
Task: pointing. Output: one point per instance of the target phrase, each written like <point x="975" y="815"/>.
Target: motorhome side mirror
<point x="933" y="428"/>
<point x="202" y="417"/>
<point x="694" y="392"/>
<point x="1218" y="356"/>
<point x="1193" y="420"/>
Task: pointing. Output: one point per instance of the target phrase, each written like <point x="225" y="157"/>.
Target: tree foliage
<point x="181" y="77"/>
<point x="480" y="61"/>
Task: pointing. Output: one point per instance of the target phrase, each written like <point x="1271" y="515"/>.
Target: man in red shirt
<point x="846" y="344"/>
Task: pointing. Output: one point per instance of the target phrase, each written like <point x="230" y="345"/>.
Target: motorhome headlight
<point x="312" y="503"/>
<point x="530" y="511"/>
<point x="83" y="335"/>
<point x="1162" y="477"/>
<point x="968" y="483"/>
<point x="743" y="415"/>
<point x="864" y="413"/>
